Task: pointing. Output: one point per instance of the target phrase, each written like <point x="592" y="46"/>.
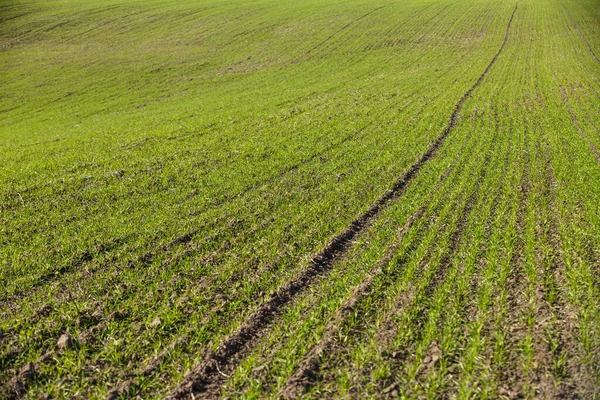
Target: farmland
<point x="319" y="199"/>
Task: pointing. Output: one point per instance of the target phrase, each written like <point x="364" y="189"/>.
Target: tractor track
<point x="310" y="365"/>
<point x="205" y="379"/>
<point x="80" y="259"/>
<point x="147" y="258"/>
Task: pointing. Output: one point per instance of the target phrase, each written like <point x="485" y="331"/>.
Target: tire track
<point x="253" y="278"/>
<point x="581" y="34"/>
<point x="311" y="364"/>
<point x="146" y="259"/>
<point x="355" y="135"/>
<point x="206" y="377"/>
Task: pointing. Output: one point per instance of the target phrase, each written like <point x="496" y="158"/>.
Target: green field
<point x="317" y="198"/>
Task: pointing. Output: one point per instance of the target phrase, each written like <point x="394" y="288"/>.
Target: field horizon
<point x="316" y="199"/>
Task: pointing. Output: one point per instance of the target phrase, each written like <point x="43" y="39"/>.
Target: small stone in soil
<point x="65" y="341"/>
<point x="28" y="371"/>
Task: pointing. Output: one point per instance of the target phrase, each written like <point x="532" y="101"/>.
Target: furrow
<point x="144" y="259"/>
<point x="311" y="365"/>
<point x="209" y="373"/>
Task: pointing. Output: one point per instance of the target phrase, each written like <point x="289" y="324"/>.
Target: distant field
<point x="318" y="198"/>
